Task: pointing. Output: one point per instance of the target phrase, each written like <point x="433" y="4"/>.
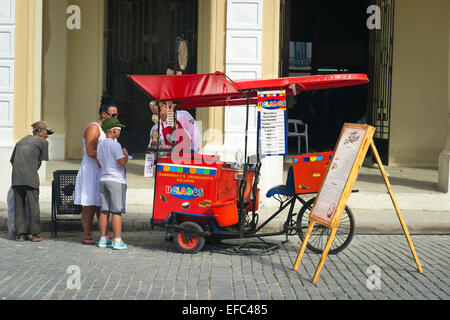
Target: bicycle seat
<point x="284" y="190"/>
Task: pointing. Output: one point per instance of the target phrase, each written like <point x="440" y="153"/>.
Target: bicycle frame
<point x="292" y="201"/>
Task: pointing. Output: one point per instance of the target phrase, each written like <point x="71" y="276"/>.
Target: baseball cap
<point x="42" y="125"/>
<point x="110" y="123"/>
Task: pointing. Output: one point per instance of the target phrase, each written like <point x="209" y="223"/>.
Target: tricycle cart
<point x="199" y="198"/>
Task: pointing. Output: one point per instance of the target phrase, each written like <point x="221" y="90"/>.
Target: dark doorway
<point x="142" y="38"/>
<point x="326" y="37"/>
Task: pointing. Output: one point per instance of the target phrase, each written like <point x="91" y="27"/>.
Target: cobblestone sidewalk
<point x="151" y="268"/>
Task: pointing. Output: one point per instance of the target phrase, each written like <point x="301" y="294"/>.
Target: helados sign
<point x="184" y="191"/>
<point x="272" y="104"/>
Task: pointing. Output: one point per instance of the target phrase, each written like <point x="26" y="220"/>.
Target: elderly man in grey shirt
<point x="26" y="160"/>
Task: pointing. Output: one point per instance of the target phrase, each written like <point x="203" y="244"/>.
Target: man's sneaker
<point x="105" y="244"/>
<point x="119" y="245"/>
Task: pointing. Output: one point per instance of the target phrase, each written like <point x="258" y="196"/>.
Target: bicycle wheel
<point x="320" y="234"/>
<point x="189" y="242"/>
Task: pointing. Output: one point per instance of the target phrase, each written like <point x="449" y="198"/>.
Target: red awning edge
<point x="215" y="89"/>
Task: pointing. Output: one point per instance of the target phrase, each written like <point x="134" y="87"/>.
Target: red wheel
<point x="189" y="242"/>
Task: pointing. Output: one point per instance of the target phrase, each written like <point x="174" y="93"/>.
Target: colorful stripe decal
<point x="313" y="159"/>
<point x="175" y="169"/>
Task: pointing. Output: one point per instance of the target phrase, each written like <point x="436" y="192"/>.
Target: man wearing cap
<point x="112" y="159"/>
<point x="26" y="160"/>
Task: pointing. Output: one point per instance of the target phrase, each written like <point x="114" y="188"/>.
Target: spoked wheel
<point x="320" y="234"/>
<point x="189" y="242"/>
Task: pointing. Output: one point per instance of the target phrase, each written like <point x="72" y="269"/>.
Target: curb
<point x="141" y="225"/>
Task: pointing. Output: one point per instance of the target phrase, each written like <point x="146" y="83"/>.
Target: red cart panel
<point x="309" y="171"/>
<point x="228" y="186"/>
<point x="182" y="188"/>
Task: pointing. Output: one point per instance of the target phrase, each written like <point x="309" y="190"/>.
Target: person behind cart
<point x="112" y="160"/>
<point x="26" y="160"/>
<point x="187" y="133"/>
<point x="87" y="186"/>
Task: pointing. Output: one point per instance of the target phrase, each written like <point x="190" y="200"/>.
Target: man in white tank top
<point x="87" y="187"/>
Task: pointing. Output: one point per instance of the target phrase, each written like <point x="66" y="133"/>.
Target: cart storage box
<point x="309" y="171"/>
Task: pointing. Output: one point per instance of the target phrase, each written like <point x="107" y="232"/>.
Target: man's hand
<point x="152" y="105"/>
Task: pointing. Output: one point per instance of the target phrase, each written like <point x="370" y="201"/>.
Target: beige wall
<point x="54" y="73"/>
<point x="212" y="48"/>
<point x="419" y="117"/>
<point x="271" y="39"/>
<point x="24" y="70"/>
<point x="85" y="72"/>
<point x="447" y="147"/>
<point x="54" y="52"/>
<point x="211" y="57"/>
<point x="72" y="76"/>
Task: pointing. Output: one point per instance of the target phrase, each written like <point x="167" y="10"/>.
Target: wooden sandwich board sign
<point x="327" y="210"/>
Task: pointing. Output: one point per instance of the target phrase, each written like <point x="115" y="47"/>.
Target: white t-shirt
<point x="190" y="128"/>
<point x="108" y="152"/>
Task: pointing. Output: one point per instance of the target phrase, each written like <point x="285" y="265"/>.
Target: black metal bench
<point x="63" y="196"/>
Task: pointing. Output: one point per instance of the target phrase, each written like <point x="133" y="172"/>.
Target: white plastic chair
<point x="299" y="129"/>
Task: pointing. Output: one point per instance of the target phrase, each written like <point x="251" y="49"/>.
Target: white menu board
<point x="272" y="122"/>
<point x="340" y="167"/>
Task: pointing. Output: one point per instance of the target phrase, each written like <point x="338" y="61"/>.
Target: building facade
<point x="56" y="68"/>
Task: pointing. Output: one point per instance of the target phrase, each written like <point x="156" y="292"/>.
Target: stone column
<point x="444" y="157"/>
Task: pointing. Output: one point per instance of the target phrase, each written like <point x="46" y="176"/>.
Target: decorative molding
<point x="6" y="76"/>
<point x="243" y="61"/>
<point x="7" y="11"/>
<point x="244" y="47"/>
<point x="6" y="42"/>
<point x="243" y="72"/>
<point x="7" y="28"/>
<point x="244" y="15"/>
<point x="6" y="110"/>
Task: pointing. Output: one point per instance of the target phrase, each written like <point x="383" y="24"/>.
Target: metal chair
<point x="299" y="129"/>
<point x="63" y="196"/>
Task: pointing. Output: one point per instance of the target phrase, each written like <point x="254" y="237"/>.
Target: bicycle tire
<point x="187" y="242"/>
<point x="320" y="234"/>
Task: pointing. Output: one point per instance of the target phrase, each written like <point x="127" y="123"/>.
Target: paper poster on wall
<point x="170" y="115"/>
<point x="272" y="123"/>
<point x="149" y="165"/>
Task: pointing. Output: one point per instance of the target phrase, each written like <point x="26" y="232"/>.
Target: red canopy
<point x="215" y="89"/>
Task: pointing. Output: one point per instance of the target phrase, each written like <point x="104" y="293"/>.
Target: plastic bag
<point x="11" y="214"/>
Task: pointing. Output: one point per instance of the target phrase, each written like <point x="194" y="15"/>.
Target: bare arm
<point x="91" y="136"/>
<point x="123" y="161"/>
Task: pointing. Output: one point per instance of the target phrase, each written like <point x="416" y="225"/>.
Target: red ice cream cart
<point x="198" y="196"/>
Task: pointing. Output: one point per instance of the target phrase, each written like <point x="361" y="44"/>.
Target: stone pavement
<point x="424" y="208"/>
<point x="151" y="268"/>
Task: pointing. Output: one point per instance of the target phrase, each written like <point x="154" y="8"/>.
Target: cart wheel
<point x="188" y="242"/>
<point x="320" y="234"/>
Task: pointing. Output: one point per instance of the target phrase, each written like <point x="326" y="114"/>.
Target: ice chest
<point x="309" y="171"/>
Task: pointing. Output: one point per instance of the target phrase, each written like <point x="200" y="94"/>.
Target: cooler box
<point x="309" y="171"/>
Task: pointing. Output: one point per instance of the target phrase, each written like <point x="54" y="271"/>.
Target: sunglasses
<point x="112" y="115"/>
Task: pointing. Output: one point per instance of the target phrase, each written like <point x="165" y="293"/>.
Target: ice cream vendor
<point x="189" y="134"/>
